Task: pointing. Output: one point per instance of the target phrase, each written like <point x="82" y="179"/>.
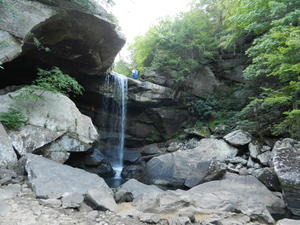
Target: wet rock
<point x="179" y="168"/>
<point x="92" y="161"/>
<point x="287" y="167"/>
<point x="131" y="156"/>
<point x="238" y="138"/>
<point x="133" y="172"/>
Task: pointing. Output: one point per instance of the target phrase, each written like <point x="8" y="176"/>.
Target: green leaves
<point x="53" y="80"/>
<point x="13" y="119"/>
<point x="181" y="44"/>
<point x="56" y="81"/>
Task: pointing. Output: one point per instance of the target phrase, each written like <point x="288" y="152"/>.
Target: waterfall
<point x="115" y="104"/>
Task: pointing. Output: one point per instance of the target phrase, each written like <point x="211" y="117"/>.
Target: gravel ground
<point x="18" y="206"/>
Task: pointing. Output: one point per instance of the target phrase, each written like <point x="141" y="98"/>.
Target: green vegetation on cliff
<point x="265" y="32"/>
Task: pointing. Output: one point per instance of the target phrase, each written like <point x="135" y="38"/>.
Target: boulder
<point x="268" y="177"/>
<point x="133" y="172"/>
<point x="257" y="149"/>
<point x="76" y="46"/>
<point x="266" y="158"/>
<point x="131" y="156"/>
<point x="55" y="126"/>
<point x="137" y="188"/>
<point x="123" y="196"/>
<point x="99" y="199"/>
<point x="8" y="157"/>
<point x="190" y="167"/>
<point x="92" y="161"/>
<point x="287" y="167"/>
<point x="30" y="137"/>
<point x="50" y="179"/>
<point x="203" y="82"/>
<point x="152" y="149"/>
<point x="148" y="93"/>
<point x="235" y="193"/>
<point x="238" y="138"/>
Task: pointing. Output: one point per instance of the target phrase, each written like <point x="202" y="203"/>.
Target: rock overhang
<point x="62" y="34"/>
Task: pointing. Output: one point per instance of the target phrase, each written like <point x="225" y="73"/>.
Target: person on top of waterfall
<point x="135" y="74"/>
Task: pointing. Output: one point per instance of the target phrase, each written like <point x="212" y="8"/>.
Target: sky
<point x="136" y="16"/>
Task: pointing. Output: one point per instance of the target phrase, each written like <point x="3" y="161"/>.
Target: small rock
<point x="256" y="166"/>
<point x="237" y="160"/>
<point x="268" y="177"/>
<point x="243" y="171"/>
<point x="150" y="218"/>
<point x="254" y="150"/>
<point x="250" y="163"/>
<point x="55" y="203"/>
<point x="184" y="220"/>
<point x="100" y="200"/>
<point x="71" y="200"/>
<point x="265" y="158"/>
<point x="238" y="138"/>
<point x="238" y="166"/>
<point x="288" y="222"/>
<point x="123" y="196"/>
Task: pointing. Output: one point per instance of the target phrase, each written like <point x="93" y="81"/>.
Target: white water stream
<point x="118" y="89"/>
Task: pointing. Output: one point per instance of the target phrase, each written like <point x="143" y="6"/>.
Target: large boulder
<point x="238" y="138"/>
<point x="190" y="167"/>
<point x="55" y="126"/>
<point x="137" y="188"/>
<point x="201" y="83"/>
<point x="287" y="167"/>
<point x="50" y="179"/>
<point x="8" y="157"/>
<point x="235" y="193"/>
<point x="32" y="26"/>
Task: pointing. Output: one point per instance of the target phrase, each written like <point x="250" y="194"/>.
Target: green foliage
<point x="267" y="31"/>
<point x="53" y="80"/>
<point x="123" y="67"/>
<point x="13" y="119"/>
<point x="183" y="44"/>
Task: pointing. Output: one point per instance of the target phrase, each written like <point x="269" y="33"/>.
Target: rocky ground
<point x="18" y="206"/>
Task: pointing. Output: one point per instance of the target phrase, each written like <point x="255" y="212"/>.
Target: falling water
<point x="116" y="104"/>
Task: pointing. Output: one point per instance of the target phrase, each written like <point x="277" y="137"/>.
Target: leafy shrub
<point x="53" y="80"/>
<point x="13" y="119"/>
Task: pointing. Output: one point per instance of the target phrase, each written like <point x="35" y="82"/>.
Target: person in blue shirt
<point x="135" y="74"/>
